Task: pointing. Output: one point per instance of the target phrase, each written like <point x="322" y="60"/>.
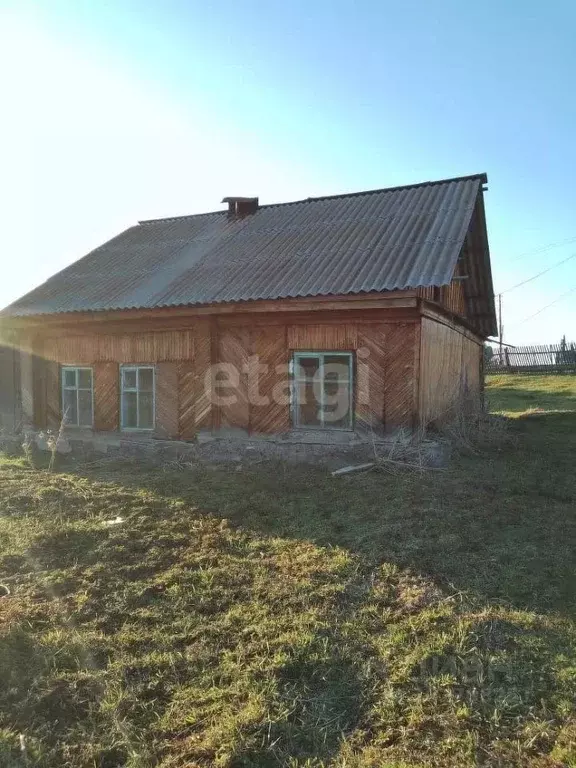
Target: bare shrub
<point x="54" y="441"/>
<point x="410" y="450"/>
<point x="463" y="426"/>
<point x="470" y="428"/>
<point x="28" y="448"/>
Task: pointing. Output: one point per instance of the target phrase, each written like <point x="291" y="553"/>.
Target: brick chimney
<point x="238" y="207"/>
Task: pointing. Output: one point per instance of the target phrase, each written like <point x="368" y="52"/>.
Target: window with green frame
<point x="137" y="397"/>
<point x="322" y="390"/>
<point x="77" y="396"/>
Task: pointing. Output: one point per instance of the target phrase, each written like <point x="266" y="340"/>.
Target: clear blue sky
<point x="113" y="112"/>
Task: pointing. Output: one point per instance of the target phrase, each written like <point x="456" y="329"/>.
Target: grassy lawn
<point x="515" y="394"/>
<point x="277" y="616"/>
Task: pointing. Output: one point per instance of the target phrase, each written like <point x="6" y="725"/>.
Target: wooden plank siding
<point x="405" y="366"/>
<point x="106" y="396"/>
<point x="167" y="400"/>
<point x="27" y="376"/>
<point x="371" y="356"/>
<point x="187" y="400"/>
<point x="53" y="395"/>
<point x="400" y="404"/>
<point x="232" y="378"/>
<point x="451" y="297"/>
<point x="450" y="369"/>
<point x="10" y="413"/>
<point x="320" y="337"/>
<point x="39" y="403"/>
<point x="259" y="355"/>
<point x="201" y="361"/>
<point x="126" y="348"/>
<point x="270" y="350"/>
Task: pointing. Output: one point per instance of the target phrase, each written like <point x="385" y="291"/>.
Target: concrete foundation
<point x="332" y="449"/>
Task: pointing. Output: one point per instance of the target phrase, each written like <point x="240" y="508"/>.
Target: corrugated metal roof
<point x="378" y="240"/>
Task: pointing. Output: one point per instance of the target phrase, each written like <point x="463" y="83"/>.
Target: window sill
<point x="71" y="430"/>
<point x="322" y="429"/>
<point x="138" y="430"/>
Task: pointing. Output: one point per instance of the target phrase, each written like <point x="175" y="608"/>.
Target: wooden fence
<point x="547" y="358"/>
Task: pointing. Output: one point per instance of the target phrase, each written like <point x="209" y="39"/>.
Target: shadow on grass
<point x="47" y="693"/>
<point x="65" y="547"/>
<point x="501" y="524"/>
<point x="200" y="605"/>
<point x="319" y="703"/>
<point x="315" y="692"/>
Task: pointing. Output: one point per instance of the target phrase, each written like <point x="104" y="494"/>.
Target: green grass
<point x="276" y="616"/>
<point x="516" y="394"/>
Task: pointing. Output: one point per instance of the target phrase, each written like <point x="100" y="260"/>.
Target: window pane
<point x="146" y="411"/>
<point x="85" y="408"/>
<point x="308" y="407"/>
<point x="84" y="378"/>
<point x="306" y="367"/>
<point x="336" y="419"/>
<point x="129" y="412"/>
<point x="128" y="379"/>
<point x="337" y="408"/>
<point x="340" y="360"/>
<point x="326" y="402"/>
<point x="69" y="377"/>
<point x="332" y="387"/>
<point x="145" y="379"/>
<point x="336" y="368"/>
<point x="69" y="407"/>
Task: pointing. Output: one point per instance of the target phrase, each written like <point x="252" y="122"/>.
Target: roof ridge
<point x="184" y="216"/>
<point x="480" y="176"/>
<point x="483" y="177"/>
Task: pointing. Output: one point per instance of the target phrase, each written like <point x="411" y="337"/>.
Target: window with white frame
<point x="137" y="400"/>
<point x="77" y="396"/>
<point x="322" y="390"/>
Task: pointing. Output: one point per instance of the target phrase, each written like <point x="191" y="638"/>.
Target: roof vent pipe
<point x="239" y="207"/>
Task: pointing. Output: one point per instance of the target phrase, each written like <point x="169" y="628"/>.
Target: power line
<point x="544" y="271"/>
<point x="563" y="296"/>
<point x="543" y="249"/>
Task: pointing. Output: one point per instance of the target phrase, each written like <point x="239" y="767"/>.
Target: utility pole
<point x="500" y="326"/>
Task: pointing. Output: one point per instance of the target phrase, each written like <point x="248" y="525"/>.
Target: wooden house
<point x="352" y="312"/>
